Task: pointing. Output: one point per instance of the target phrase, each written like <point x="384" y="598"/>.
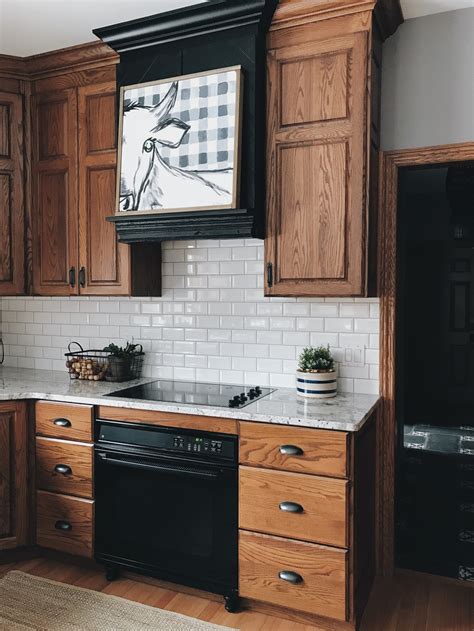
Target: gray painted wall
<point x="428" y="82"/>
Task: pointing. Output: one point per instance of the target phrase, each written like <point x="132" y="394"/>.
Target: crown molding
<point x="388" y="13"/>
<point x="191" y="21"/>
<point x="58" y="62"/>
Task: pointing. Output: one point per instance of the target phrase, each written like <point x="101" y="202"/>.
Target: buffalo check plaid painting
<point x="180" y="141"/>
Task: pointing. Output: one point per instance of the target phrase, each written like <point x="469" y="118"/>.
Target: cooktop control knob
<point x="233" y="404"/>
<point x="252" y="394"/>
<point x="258" y="390"/>
<point x="243" y="397"/>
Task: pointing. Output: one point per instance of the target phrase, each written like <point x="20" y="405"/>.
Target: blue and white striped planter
<point x="316" y="385"/>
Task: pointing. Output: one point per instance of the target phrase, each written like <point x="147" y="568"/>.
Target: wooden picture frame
<point x="147" y="157"/>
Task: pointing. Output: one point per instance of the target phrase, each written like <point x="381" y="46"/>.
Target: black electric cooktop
<point x="211" y="394"/>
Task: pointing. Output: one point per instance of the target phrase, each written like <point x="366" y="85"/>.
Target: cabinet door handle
<point x="62" y="422"/>
<point x="291" y="450"/>
<point x="291" y="507"/>
<point x="72" y="277"/>
<point x="290" y="577"/>
<point x="270" y="274"/>
<point x="82" y="277"/>
<point x="65" y="526"/>
<point x="64" y="469"/>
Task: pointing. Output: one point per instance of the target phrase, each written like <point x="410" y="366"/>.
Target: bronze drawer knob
<point x="64" y="469"/>
<point x="290" y="577"/>
<point x="291" y="507"/>
<point x="62" y="422"/>
<point x="65" y="526"/>
<point x="291" y="450"/>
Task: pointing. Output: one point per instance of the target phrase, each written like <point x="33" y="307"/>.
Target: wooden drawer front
<point x="52" y="510"/>
<point x="321" y="504"/>
<point x="322" y="452"/>
<point x="63" y="420"/>
<point x="52" y="455"/>
<point x="322" y="570"/>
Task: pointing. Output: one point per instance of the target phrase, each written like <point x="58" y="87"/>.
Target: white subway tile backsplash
<point x="213" y="323"/>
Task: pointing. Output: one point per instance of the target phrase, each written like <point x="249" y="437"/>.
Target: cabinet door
<point x="55" y="213"/>
<point x="12" y="238"/>
<point x="13" y="475"/>
<point x="104" y="263"/>
<point x="317" y="207"/>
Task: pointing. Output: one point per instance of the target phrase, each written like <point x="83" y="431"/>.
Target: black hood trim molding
<point x="233" y="224"/>
<point x="192" y="21"/>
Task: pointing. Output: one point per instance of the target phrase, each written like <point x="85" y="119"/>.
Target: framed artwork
<point x="179" y="143"/>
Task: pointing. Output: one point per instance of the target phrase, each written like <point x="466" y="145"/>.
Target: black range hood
<point x="215" y="34"/>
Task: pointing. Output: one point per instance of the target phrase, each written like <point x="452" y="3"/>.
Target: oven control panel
<point x="185" y="443"/>
<point x="198" y="445"/>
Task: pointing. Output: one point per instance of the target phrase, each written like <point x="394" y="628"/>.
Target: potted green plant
<point x="316" y="376"/>
<point x="120" y="359"/>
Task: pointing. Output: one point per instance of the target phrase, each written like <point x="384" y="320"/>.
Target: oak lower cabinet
<point x="322" y="146"/>
<point x="14" y="508"/>
<point x="64" y="477"/>
<point x="12" y="207"/>
<point x="75" y="248"/>
<point x="307" y="522"/>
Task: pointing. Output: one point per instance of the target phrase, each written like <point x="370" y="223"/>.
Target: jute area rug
<point x="29" y="602"/>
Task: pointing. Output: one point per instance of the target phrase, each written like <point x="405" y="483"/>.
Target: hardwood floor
<point x="413" y="602"/>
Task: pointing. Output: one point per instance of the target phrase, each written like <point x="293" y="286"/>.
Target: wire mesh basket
<point x="95" y="365"/>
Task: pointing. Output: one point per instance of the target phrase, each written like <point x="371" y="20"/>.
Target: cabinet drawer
<point x="321" y="572"/>
<point x="294" y="505"/>
<point x="64" y="467"/>
<point x="64" y="523"/>
<point x="63" y="420"/>
<point x="294" y="449"/>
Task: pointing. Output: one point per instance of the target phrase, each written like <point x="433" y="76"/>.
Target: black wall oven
<point x="166" y="505"/>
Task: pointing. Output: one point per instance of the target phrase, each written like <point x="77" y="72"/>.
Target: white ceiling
<point x="28" y="27"/>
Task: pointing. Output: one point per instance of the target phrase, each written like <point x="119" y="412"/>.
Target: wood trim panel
<point x="391" y="162"/>
<point x="81" y="419"/>
<point x="14" y="475"/>
<point x="325" y="452"/>
<point x="165" y="419"/>
<point x="324" y="502"/>
<point x="65" y="60"/>
<point x="297" y="12"/>
<point x="12" y="195"/>
<point x="73" y="58"/>
<point x="78" y="456"/>
<point x="388" y="13"/>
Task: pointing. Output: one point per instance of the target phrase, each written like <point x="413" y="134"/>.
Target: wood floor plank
<point x="403" y="603"/>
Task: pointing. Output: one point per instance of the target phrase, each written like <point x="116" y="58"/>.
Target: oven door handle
<point x="160" y="468"/>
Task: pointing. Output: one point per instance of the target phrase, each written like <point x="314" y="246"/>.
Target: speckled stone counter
<point x="346" y="412"/>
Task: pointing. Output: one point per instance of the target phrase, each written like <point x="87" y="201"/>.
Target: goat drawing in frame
<point x="150" y="183"/>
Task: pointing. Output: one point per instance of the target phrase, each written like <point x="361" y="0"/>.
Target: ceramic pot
<point x="316" y="385"/>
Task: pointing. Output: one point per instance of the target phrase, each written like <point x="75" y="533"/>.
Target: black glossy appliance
<point x="188" y="392"/>
<point x="166" y="505"/>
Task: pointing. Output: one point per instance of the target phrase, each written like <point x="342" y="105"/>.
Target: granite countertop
<point x="346" y="412"/>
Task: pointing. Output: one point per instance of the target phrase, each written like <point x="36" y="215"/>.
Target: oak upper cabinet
<point x="12" y="247"/>
<point x="55" y="194"/>
<point x="104" y="264"/>
<point x="13" y="475"/>
<point x="74" y="158"/>
<point x="318" y="156"/>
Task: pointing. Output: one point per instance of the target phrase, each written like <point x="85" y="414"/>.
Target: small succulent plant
<point x="314" y="359"/>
